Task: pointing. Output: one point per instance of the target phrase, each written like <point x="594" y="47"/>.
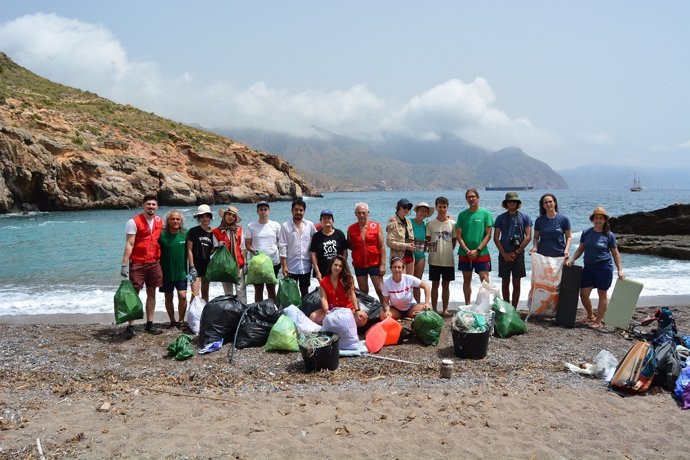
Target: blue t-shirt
<point x="551" y="235"/>
<point x="510" y="226"/>
<point x="598" y="246"/>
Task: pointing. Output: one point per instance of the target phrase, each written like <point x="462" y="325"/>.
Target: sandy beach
<point x="86" y="393"/>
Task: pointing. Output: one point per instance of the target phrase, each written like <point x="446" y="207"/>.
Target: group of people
<point x="161" y="253"/>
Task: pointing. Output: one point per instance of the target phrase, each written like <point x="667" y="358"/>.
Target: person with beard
<point x="294" y="242"/>
<point x="141" y="258"/>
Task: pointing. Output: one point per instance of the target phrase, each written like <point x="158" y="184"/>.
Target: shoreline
<point x="161" y="317"/>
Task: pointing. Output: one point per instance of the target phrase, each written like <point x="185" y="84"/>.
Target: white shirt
<point x="293" y="245"/>
<point x="131" y="226"/>
<point x="401" y="295"/>
<point x="265" y="238"/>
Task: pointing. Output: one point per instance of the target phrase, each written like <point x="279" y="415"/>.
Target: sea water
<point x="69" y="262"/>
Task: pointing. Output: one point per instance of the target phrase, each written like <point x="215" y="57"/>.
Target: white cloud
<point x="89" y="57"/>
<point x="684" y="145"/>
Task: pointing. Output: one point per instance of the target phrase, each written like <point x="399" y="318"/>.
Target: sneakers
<point x="153" y="330"/>
<point x="128" y="332"/>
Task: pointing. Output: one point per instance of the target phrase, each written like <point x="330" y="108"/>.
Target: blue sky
<point x="571" y="83"/>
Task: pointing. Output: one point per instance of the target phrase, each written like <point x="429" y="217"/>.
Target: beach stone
<point x="105" y="407"/>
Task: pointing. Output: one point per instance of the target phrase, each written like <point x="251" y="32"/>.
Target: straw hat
<point x="230" y="209"/>
<point x="599" y="211"/>
<point x="203" y="209"/>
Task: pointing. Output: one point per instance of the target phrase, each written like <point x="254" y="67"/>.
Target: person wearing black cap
<point x="512" y="234"/>
<point x="400" y="235"/>
<point x="262" y="236"/>
<point x="327" y="243"/>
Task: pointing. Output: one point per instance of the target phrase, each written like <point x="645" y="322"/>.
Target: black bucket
<point x="471" y="345"/>
<point x="326" y="357"/>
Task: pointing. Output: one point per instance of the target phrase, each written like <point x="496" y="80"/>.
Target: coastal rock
<point x="663" y="232"/>
<point x="56" y="154"/>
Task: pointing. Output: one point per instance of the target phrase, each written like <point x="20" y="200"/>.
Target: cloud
<point x="598" y="138"/>
<point x="684" y="145"/>
<point x="90" y="57"/>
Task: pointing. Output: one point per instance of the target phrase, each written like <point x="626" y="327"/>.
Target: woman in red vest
<point x="230" y="233"/>
<point x="337" y="290"/>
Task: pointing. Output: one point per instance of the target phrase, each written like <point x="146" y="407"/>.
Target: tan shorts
<point x="150" y="275"/>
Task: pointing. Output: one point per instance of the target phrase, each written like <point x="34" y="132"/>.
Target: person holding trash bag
<point x="141" y="258"/>
<point x="337" y="290"/>
<point x="199" y="248"/>
<point x="173" y="242"/>
<point x="293" y="245"/>
<point x="474" y="226"/>
<point x="512" y="234"/>
<point x="599" y="245"/>
<point x="262" y="236"/>
<point x="229" y="233"/>
<point x="398" y="293"/>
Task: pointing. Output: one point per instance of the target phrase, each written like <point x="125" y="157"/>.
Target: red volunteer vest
<point x="146" y="248"/>
<point x="365" y="253"/>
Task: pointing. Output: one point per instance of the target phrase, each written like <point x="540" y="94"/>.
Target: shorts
<point x="200" y="266"/>
<point x="598" y="276"/>
<point x="304" y="280"/>
<point x="169" y="286"/>
<point x="480" y="264"/>
<point x="150" y="275"/>
<point x="408" y="259"/>
<point x="371" y="271"/>
<point x="437" y="271"/>
<point x="404" y="313"/>
<point x="516" y="268"/>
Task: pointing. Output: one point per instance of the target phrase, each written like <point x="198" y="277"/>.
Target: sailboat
<point x="636" y="187"/>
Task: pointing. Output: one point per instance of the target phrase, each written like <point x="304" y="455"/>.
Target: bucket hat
<point x="511" y="196"/>
<point x="599" y="211"/>
<point x="424" y="204"/>
<point x="203" y="209"/>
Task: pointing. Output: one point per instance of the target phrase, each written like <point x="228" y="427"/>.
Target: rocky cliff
<point x="663" y="232"/>
<point x="65" y="149"/>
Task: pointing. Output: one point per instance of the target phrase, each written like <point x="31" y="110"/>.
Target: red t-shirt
<point x="337" y="296"/>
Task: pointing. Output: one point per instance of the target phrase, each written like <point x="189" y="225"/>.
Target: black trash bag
<point x="311" y="302"/>
<point x="219" y="320"/>
<point x="371" y="306"/>
<point x="257" y="323"/>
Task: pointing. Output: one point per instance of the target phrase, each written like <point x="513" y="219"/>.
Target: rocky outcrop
<point x="64" y="149"/>
<point x="663" y="232"/>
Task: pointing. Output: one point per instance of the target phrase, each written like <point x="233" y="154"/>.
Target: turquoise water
<point x="69" y="262"/>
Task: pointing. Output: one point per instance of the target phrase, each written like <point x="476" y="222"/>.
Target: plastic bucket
<point x="471" y="345"/>
<point x="326" y="357"/>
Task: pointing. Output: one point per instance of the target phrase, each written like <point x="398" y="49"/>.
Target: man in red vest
<point x="140" y="261"/>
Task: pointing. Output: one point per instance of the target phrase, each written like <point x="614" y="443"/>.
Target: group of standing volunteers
<point x="161" y="253"/>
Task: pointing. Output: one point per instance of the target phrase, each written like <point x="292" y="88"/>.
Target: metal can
<point x="446" y="368"/>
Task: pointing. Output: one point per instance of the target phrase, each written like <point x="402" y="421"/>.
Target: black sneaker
<point x="128" y="332"/>
<point x="153" y="330"/>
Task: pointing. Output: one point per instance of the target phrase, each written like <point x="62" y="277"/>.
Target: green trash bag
<point x="181" y="348"/>
<point x="283" y="336"/>
<point x="507" y="321"/>
<point x="260" y="270"/>
<point x="223" y="267"/>
<point x="427" y="327"/>
<point x="128" y="306"/>
<point x="288" y="293"/>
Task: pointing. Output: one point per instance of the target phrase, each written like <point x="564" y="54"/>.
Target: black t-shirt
<point x="327" y="247"/>
<point x="202" y="243"/>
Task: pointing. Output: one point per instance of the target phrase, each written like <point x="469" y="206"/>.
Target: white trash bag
<point x="196" y="307"/>
<point x="302" y="321"/>
<point x="342" y="321"/>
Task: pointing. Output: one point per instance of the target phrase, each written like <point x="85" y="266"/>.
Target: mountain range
<point x="335" y="162"/>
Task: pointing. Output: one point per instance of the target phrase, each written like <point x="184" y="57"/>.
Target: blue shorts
<point x="437" y="271"/>
<point x="598" y="276"/>
<point x="371" y="271"/>
<point x="169" y="286"/>
<point x="480" y="264"/>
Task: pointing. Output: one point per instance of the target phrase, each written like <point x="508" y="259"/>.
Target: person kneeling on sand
<point x="337" y="290"/>
<point x="398" y="293"/>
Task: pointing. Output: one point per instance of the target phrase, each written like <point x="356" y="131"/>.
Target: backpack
<point x="667" y="365"/>
<point x="635" y="372"/>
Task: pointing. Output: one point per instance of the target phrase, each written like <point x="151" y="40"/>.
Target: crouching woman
<point x="337" y="290"/>
<point x="398" y="293"/>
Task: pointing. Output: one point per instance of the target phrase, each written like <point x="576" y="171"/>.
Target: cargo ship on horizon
<point x="508" y="188"/>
